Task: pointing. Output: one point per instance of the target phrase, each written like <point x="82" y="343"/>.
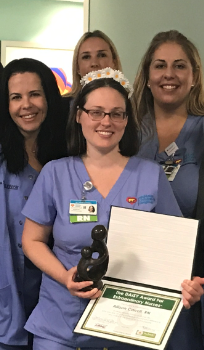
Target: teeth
<point x="105" y="132"/>
<point x="28" y="116"/>
<point x="169" y="87"/>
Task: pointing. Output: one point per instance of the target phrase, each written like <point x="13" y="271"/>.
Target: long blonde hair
<point x="142" y="97"/>
<point x="76" y="87"/>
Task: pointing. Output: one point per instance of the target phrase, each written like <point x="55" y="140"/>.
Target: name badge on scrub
<point x="171" y="149"/>
<point x="83" y="211"/>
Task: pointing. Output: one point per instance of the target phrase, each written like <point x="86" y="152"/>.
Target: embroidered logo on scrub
<point x="178" y="161"/>
<point x="10" y="187"/>
<point x="131" y="200"/>
<point x="146" y="199"/>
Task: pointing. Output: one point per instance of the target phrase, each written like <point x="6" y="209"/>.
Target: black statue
<point x="90" y="269"/>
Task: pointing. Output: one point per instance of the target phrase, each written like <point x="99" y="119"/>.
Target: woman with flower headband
<point x="94" y="51"/>
<point x="102" y="138"/>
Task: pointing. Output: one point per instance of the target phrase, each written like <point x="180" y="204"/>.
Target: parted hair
<point x="143" y="98"/>
<point x="76" y="87"/>
<point x="51" y="142"/>
<point x="76" y="142"/>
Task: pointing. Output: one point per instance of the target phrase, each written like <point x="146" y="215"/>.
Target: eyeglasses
<point x="97" y="114"/>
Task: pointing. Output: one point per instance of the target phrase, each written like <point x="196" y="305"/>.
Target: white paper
<point x="149" y="248"/>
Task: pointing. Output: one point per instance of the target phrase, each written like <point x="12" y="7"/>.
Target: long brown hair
<point x="142" y="96"/>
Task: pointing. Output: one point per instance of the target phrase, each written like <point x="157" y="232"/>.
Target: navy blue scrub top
<point x="191" y="148"/>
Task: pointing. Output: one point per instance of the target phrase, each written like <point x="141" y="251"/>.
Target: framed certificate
<point x="150" y="255"/>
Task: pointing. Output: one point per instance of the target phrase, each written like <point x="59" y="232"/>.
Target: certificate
<point x="132" y="314"/>
<point x="150" y="255"/>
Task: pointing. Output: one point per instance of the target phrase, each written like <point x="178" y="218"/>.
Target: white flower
<point x="82" y="81"/>
<point x="108" y="73"/>
<point x="117" y="75"/>
<point x="130" y="91"/>
<point x="89" y="77"/>
<point x="99" y="74"/>
<point x="124" y="82"/>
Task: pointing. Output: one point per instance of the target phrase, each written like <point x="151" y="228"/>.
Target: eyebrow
<point x="90" y="51"/>
<point x="178" y="60"/>
<point x="14" y="93"/>
<point x="18" y="93"/>
<point x="100" y="107"/>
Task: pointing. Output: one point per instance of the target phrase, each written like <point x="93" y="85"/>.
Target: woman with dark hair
<point x="102" y="140"/>
<point x="169" y="96"/>
<point x="48" y="143"/>
<point x="30" y="136"/>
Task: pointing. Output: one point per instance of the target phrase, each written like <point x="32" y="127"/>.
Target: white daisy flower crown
<point x="108" y="73"/>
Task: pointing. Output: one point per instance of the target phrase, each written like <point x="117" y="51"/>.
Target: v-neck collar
<point x="180" y="141"/>
<point x="94" y="193"/>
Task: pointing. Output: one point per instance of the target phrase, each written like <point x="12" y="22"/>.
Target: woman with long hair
<point x="169" y="98"/>
<point x="30" y="136"/>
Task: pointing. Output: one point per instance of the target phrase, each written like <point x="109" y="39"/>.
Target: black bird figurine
<point x="93" y="269"/>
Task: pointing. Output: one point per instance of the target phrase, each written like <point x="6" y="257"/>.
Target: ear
<point x="78" y="116"/>
<point x="78" y="71"/>
<point x="194" y="80"/>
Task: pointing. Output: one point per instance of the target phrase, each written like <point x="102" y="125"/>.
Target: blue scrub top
<point x="191" y="147"/>
<point x="58" y="312"/>
<point x="19" y="279"/>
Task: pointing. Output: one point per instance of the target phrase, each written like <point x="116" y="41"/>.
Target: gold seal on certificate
<point x="141" y="297"/>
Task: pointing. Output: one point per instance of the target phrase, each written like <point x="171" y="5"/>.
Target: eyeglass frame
<point x="104" y="114"/>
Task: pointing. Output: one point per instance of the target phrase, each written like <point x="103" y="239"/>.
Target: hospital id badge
<point x="171" y="170"/>
<point x="83" y="211"/>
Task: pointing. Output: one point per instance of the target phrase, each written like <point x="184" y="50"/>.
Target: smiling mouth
<point x="105" y="133"/>
<point x="169" y="87"/>
<point x="29" y="116"/>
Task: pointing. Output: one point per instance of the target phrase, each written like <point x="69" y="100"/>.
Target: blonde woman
<point x="94" y="50"/>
